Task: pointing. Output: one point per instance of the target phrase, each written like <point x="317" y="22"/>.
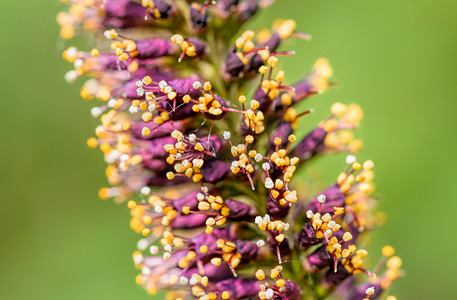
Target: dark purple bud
<point x="155" y="147"/>
<point x="214" y="171"/>
<point x="333" y="198"/>
<point x="164" y="9"/>
<point x="247" y="250"/>
<point x="262" y="98"/>
<point x="227" y="5"/>
<point x="157" y="130"/>
<point x="283" y="130"/>
<point x="239" y="288"/>
<point x="360" y="292"/>
<point x="200" y="47"/>
<point x="247" y="10"/>
<point x="319" y="259"/>
<point x="275" y="210"/>
<point x="184" y="86"/>
<point x="283" y="249"/>
<point x="311" y="145"/>
<point x="198" y="17"/>
<point x="303" y="89"/>
<point x="188" y="221"/>
<point x="124" y="13"/>
<point x="156" y="165"/>
<point x="292" y="291"/>
<point x="272" y="43"/>
<point x="307" y="236"/>
<point x="333" y="278"/>
<point x="253" y="65"/>
<point x="189" y="200"/>
<point x="160" y="179"/>
<point x="154" y="48"/>
<point x="233" y="65"/>
<point x="239" y="211"/>
<point x="214" y="273"/>
<point x="213" y="144"/>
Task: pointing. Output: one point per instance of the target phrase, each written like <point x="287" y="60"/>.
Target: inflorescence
<point x="197" y="127"/>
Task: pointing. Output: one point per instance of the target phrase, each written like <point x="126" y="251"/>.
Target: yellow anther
<point x="272" y="61"/>
<point x="131" y="204"/>
<point x="216" y="261"/>
<point x="338" y="109"/>
<point x="280" y="282"/>
<point x="292" y="138"/>
<point x="277" y="141"/>
<point x="225" y="295"/>
<point x="123" y="57"/>
<point x="145" y="131"/>
<point x="249" y="139"/>
<point x="388" y="251"/>
<point x="207" y="86"/>
<point x="347" y="236"/>
<point x="92" y="142"/>
<point x="263" y="69"/>
<point x="254" y="104"/>
<point x="368" y="165"/>
<point x="356" y="166"/>
<point x="146" y="232"/>
<point x="260" y="274"/>
<point x="280" y="76"/>
<point x="170" y="175"/>
<point x="186" y="210"/>
<point x="279" y="238"/>
<point x="199" y="147"/>
<point x="94" y="52"/>
<point x="242" y="99"/>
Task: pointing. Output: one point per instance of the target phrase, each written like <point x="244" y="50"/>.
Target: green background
<point x="396" y="58"/>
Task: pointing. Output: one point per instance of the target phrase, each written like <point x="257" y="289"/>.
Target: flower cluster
<point x="197" y="126"/>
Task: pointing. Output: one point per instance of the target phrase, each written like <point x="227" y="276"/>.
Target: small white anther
<point x="139" y="83"/>
<point x="124" y="157"/>
<point x="163" y="84"/>
<point x="138" y="259"/>
<point x="78" y="63"/>
<point x="107" y="34"/>
<point x="321" y="198"/>
<point x="200" y="197"/>
<point x="260" y="243"/>
<point x="146" y="271"/>
<point x="258" y="157"/>
<point x="142" y="244"/>
<point x="152" y="107"/>
<point x="112" y="103"/>
<point x="71" y="76"/>
<point x="133" y="109"/>
<point x="96" y="111"/>
<point x="167" y="247"/>
<point x="269" y="183"/>
<point x="350" y="159"/>
<point x="197" y="85"/>
<point x="266" y="166"/>
<point x="140" y="91"/>
<point x="309" y="214"/>
<point x="192" y="137"/>
<point x="183" y="280"/>
<point x="154" y="249"/>
<point x="227" y="135"/>
<point x="370" y="291"/>
<point x="258" y="219"/>
<point x="193" y="281"/>
<point x="145" y="190"/>
<point x="158" y="209"/>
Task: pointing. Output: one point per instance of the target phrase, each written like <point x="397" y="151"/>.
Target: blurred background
<point x="395" y="58"/>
